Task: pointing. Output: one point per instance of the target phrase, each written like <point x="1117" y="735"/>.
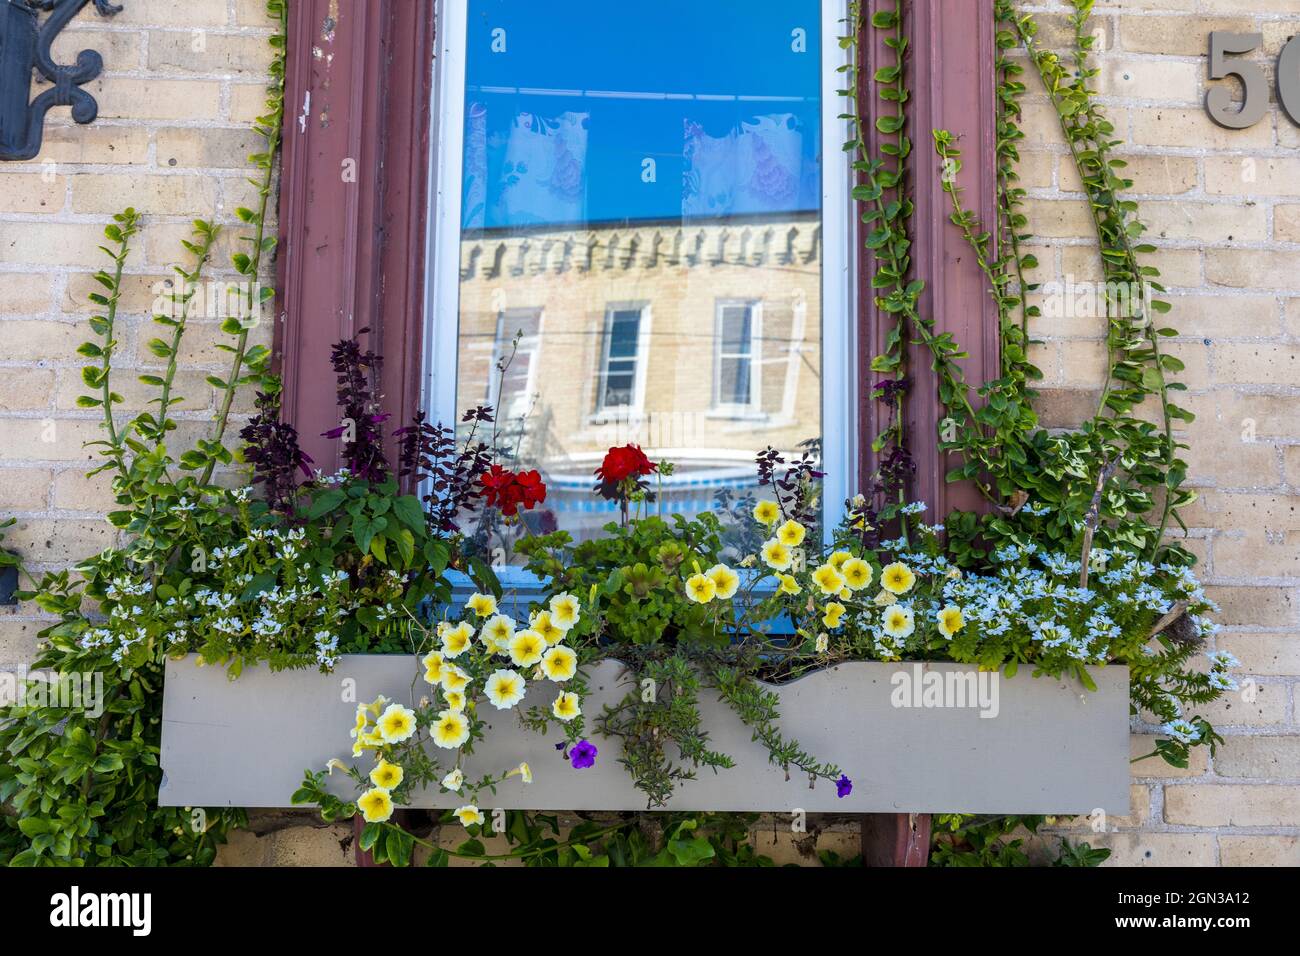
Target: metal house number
<point x="25" y="46"/>
<point x="1254" y="84"/>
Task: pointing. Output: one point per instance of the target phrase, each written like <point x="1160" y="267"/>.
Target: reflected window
<point x="640" y="239"/>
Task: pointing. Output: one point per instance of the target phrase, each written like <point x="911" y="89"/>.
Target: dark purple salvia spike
<point x="271" y="447"/>
<point x="358" y="400"/>
<point x="449" y="475"/>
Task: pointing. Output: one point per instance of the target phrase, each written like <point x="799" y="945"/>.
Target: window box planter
<point x="1046" y="746"/>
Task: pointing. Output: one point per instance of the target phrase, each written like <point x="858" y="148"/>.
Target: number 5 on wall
<point x="1218" y="103"/>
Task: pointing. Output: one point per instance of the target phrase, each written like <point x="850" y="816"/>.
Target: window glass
<point x="640" y="240"/>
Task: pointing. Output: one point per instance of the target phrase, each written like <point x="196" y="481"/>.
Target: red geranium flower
<point x="507" y="490"/>
<point x="626" y="461"/>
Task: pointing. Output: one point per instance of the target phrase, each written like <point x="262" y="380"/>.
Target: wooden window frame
<point x="352" y="252"/>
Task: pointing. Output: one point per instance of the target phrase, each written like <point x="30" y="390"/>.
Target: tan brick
<point x="1059" y="218"/>
<point x="24" y="489"/>
<point x="1238" y="805"/>
<point x="1140" y="745"/>
<point x="189" y="386"/>
<point x="207" y="147"/>
<point x="158" y="195"/>
<point x="207" y="53"/>
<point x="1128" y="6"/>
<point x="198" y="348"/>
<point x="1268" y="850"/>
<point x="25" y="293"/>
<point x="18" y="640"/>
<point x="119" y="48"/>
<point x="786" y="848"/>
<point x="1224" y="315"/>
<point x="1250" y="363"/>
<point x="1218" y="455"/>
<point x="127" y="98"/>
<point x="1263" y="654"/>
<point x="1055" y="32"/>
<point x="1256" y="606"/>
<point x="34" y="439"/>
<point x="1267" y="709"/>
<point x="98" y="143"/>
<point x="244" y="848"/>
<point x="168" y="13"/>
<point x="32" y="192"/>
<point x="247" y="102"/>
<point x="24" y="389"/>
<point x="1291" y="459"/>
<point x="1259" y="758"/>
<point x="252" y="13"/>
<point x="1251" y="176"/>
<point x="1260" y="415"/>
<point x="58" y="244"/>
<point x="74" y="490"/>
<point x="162" y="246"/>
<point x="1253" y="268"/>
<point x="313" y="845"/>
<point x="1174" y="36"/>
<point x="39" y="341"/>
<point x="139" y="294"/>
<point x="1205" y="222"/>
<point x="1148" y="78"/>
<point x="1035" y="169"/>
<point x="58" y="541"/>
<point x="1168" y="126"/>
<point x="1286" y="223"/>
<point x="1156" y="849"/>
<point x="1179" y="268"/>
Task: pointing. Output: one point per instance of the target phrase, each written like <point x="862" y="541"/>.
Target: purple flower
<point x="843" y="786"/>
<point x="584" y="755"/>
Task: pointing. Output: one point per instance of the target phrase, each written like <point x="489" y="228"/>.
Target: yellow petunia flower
<point x="884" y="599"/>
<point x="788" y="584"/>
<point x="834" y="611"/>
<point x="950" y="621"/>
<point x="363" y="721"/>
<point x="828" y="580"/>
<point x="453" y="678"/>
<point x="725" y="580"/>
<point x="838" y="559"/>
<point x="544" y="625"/>
<point x="456" y="640"/>
<point x="454" y="780"/>
<point x="776" y="555"/>
<point x="701" y="588"/>
<point x="484" y="605"/>
<point x="898" y="621"/>
<point x="564" y="610"/>
<point x="560" y="663"/>
<point x="566" y="707"/>
<point x="469" y="815"/>
<point x="505" y="688"/>
<point x="386" y="776"/>
<point x="376" y="806"/>
<point x="455" y="700"/>
<point x="897" y="578"/>
<point x="433" y="665"/>
<point x="526" y="648"/>
<point x="396" y="724"/>
<point x="524" y="771"/>
<point x="791" y="534"/>
<point x="497" y="632"/>
<point x="857" y="574"/>
<point x="766" y="512"/>
<point x="450" y="730"/>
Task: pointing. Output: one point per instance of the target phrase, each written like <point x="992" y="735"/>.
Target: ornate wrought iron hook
<point x="25" y="44"/>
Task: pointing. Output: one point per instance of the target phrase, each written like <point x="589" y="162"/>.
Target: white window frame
<point x="842" y="388"/>
<point x="754" y="407"/>
<point x="617" y="413"/>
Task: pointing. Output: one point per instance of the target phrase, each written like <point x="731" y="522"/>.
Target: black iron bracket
<point x="25" y="46"/>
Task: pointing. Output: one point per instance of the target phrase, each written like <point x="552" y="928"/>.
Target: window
<point x="616" y="389"/>
<point x="736" y="372"/>
<point x="666" y="186"/>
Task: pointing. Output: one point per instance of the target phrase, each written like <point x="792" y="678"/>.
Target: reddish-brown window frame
<point x="355" y="190"/>
<point x="355" y="194"/>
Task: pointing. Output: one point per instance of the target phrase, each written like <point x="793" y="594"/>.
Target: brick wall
<point x="172" y="137"/>
<point x="1223" y="206"/>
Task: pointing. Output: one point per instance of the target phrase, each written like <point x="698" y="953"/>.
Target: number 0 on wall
<point x="1218" y="102"/>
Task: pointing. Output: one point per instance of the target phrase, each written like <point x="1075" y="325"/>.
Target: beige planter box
<point x="912" y="737"/>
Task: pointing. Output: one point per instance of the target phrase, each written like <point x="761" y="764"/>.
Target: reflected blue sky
<point x="560" y="125"/>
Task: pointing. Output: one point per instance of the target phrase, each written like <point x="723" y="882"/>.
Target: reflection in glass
<point x="641" y="240"/>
